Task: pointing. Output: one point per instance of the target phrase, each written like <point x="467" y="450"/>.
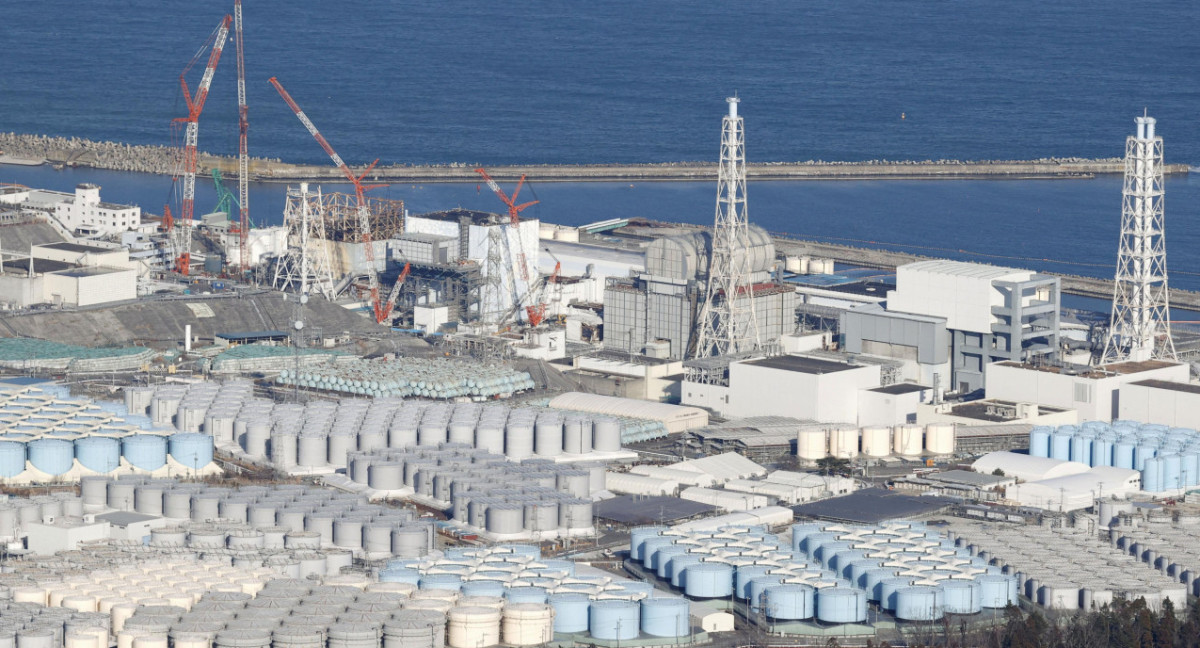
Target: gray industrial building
<point x="654" y="313"/>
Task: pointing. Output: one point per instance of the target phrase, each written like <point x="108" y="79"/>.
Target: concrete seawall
<point x="161" y="160"/>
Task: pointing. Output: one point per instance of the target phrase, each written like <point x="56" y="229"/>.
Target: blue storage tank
<point x="825" y="551"/>
<point x="399" y="575"/>
<point x="191" y="449"/>
<point x="613" y="620"/>
<point x="841" y="605"/>
<point x="1144" y="451"/>
<point x="483" y="588"/>
<point x="858" y="570"/>
<point x="1081" y="449"/>
<point x="665" y="617"/>
<point x="1190" y="468"/>
<point x="651" y="546"/>
<point x="919" y="603"/>
<point x="678" y="568"/>
<point x="145" y="451"/>
<point x="813" y="540"/>
<point x="1102" y="452"/>
<point x="745" y="574"/>
<point x="1152" y="475"/>
<point x="663" y="557"/>
<point x="801" y="531"/>
<point x="528" y="551"/>
<point x="564" y="565"/>
<point x="1123" y="453"/>
<point x="793" y="602"/>
<point x="888" y="588"/>
<point x="709" y="580"/>
<point x="1171" y="474"/>
<point x="12" y="458"/>
<point x="101" y="454"/>
<point x="756" y="592"/>
<point x="526" y="594"/>
<point x="872" y="579"/>
<point x="52" y="456"/>
<point x="1060" y="445"/>
<point x="839" y="561"/>
<point x="997" y="590"/>
<point x="442" y="582"/>
<point x="1039" y="441"/>
<point x="570" y="611"/>
<point x="638" y="535"/>
<point x="961" y="596"/>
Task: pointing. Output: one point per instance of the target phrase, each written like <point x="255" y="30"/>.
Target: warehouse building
<point x="1093" y="391"/>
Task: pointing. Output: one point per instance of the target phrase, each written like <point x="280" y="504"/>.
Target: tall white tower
<point x="727" y="323"/>
<point x="1140" y="328"/>
<point x="305" y="268"/>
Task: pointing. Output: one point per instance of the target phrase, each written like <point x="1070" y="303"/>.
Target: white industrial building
<point x="947" y="320"/>
<point x="1092" y="391"/>
<point x="1162" y="402"/>
<point x="1075" y="492"/>
<point x="674" y="418"/>
<point x="808" y="388"/>
<point x="69" y="274"/>
<point x="82" y="213"/>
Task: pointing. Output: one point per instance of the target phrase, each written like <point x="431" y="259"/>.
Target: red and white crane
<point x="243" y="150"/>
<point x="514" y="214"/>
<point x="391" y="300"/>
<point x="182" y="239"/>
<point x="364" y="217"/>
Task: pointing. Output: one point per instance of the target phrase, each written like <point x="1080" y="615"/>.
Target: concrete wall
<point x="1147" y="404"/>
<point x="91" y="289"/>
<point x="1096" y="399"/>
<point x="21" y="291"/>
<point x="881" y="408"/>
<point x="825" y="398"/>
<point x="962" y="293"/>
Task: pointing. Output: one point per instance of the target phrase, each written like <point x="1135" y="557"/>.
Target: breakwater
<point x="116" y="156"/>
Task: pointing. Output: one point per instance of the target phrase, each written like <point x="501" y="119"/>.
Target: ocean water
<point x="543" y="81"/>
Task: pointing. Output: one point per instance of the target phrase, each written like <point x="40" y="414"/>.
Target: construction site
<point x="372" y="428"/>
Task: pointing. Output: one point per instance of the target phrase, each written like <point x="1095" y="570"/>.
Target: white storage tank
<point x="876" y="441"/>
<point x="908" y="440"/>
<point x="939" y="438"/>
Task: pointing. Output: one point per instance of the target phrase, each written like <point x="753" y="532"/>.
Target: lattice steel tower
<point x="727" y="322"/>
<point x="1140" y="328"/>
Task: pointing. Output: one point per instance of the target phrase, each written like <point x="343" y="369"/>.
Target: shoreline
<point x="27" y="150"/>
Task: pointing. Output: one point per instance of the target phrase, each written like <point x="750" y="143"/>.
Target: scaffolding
<point x="305" y="267"/>
<point x="341" y="222"/>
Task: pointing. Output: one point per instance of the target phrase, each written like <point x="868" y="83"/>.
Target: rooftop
<point x="900" y="388"/>
<point x="252" y="336"/>
<point x="1102" y="371"/>
<point x="1167" y="384"/>
<point x="801" y="364"/>
<point x="966" y="477"/>
<point x="78" y="247"/>
<point x="996" y="411"/>
<point x="124" y="518"/>
<point x="457" y="215"/>
<point x="630" y="509"/>
<point x="962" y="269"/>
<point x="872" y="506"/>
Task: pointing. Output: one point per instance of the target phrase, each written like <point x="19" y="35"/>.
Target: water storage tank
<point x="505" y="518"/>
<point x="606" y="434"/>
<point x="638" y="535"/>
<point x="790" y="602"/>
<point x="1060" y="445"/>
<point x="876" y="441"/>
<point x="101" y="454"/>
<point x="961" y="596"/>
<point x="843" y="442"/>
<point x="665" y="617"/>
<point x="997" y="590"/>
<point x="811" y="444"/>
<point x="194" y="451"/>
<point x="939" y="438"/>
<point x="1039" y="441"/>
<point x="548" y="436"/>
<point x="612" y="620"/>
<point x="570" y="611"/>
<point x="471" y="627"/>
<point x="52" y="456"/>
<point x="518" y="440"/>
<point x="527" y="624"/>
<point x="709" y="580"/>
<point x="145" y="451"/>
<point x="12" y="458"/>
<point x="908" y="440"/>
<point x="842" y="604"/>
<point x="919" y="603"/>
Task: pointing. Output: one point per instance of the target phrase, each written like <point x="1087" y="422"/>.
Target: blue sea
<point x="625" y="81"/>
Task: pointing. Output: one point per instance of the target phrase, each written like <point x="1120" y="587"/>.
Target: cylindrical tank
<point x="527" y="624"/>
<point x="842" y="604"/>
<point x="194" y="451"/>
<point x="939" y="438"/>
<point x="790" y="602"/>
<point x="709" y="580"/>
<point x="413" y="628"/>
<point x="570" y="611"/>
<point x="548" y="436"/>
<point x="876" y="441"/>
<point x="51" y="456"/>
<point x="1060" y="445"/>
<point x="960" y="596"/>
<point x="1039" y="441"/>
<point x="505" y="518"/>
<point x="606" y="434"/>
<point x="843" y="442"/>
<point x="614" y="620"/>
<point x="471" y="627"/>
<point x="997" y="590"/>
<point x="665" y="617"/>
<point x="811" y="444"/>
<point x="907" y="440"/>
<point x="101" y="454"/>
<point x="919" y="603"/>
<point x="145" y="451"/>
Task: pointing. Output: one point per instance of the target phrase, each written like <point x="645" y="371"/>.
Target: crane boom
<point x="386" y="311"/>
<point x="243" y="149"/>
<point x="183" y="238"/>
<point x="364" y="217"/>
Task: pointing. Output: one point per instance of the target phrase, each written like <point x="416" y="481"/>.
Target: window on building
<point x="1083" y="392"/>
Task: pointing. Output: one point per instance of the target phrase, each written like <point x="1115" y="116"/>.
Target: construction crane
<point x="195" y="105"/>
<point x="391" y="300"/>
<point x="225" y="199"/>
<point x="514" y="213"/>
<point x="536" y="310"/>
<point x="364" y="218"/>
<point x="243" y="151"/>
